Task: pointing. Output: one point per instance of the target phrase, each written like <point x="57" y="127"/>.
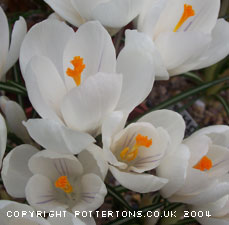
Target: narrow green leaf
<point x="118" y="197"/>
<point x="187" y="221"/>
<point x="7" y="87"/>
<point x="223" y="102"/>
<point x="193" y="77"/>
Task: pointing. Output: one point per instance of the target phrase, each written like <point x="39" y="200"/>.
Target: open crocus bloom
<point x="110" y="13"/>
<point x="49" y="180"/>
<point x="139" y="147"/>
<point x="25" y="214"/>
<point x="203" y="162"/>
<point x="218" y="211"/>
<point x="9" y="54"/>
<point x="3" y="138"/>
<point x="73" y="81"/>
<point x="187" y="34"/>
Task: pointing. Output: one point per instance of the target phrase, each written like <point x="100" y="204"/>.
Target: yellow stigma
<point x="188" y="12"/>
<point x="63" y="183"/>
<point x="75" y="73"/>
<point x="131" y="154"/>
<point x="204" y="164"/>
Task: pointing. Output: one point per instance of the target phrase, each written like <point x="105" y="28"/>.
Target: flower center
<point x="204" y="164"/>
<point x="131" y="154"/>
<point x="188" y="12"/>
<point x="63" y="183"/>
<point x="75" y="73"/>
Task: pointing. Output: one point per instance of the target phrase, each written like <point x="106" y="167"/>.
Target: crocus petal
<point x="53" y="165"/>
<point x="198" y="146"/>
<point x="14" y="116"/>
<point x="177" y="48"/>
<point x="98" y="94"/>
<point x="4" y="40"/>
<point x="145" y="42"/>
<point x="170" y="121"/>
<point x="174" y="167"/>
<point x="18" y="34"/>
<point x="40" y="40"/>
<point x="66" y="10"/>
<point x="42" y="198"/>
<point x="212" y="193"/>
<point x="15" y="172"/>
<point x="92" y="193"/>
<point x="43" y="106"/>
<point x="117" y="13"/>
<point x="219" y="46"/>
<point x="93" y="161"/>
<point x="145" y="182"/>
<point x="212" y="221"/>
<point x="29" y="221"/>
<point x="56" y="137"/>
<point x="50" y="84"/>
<point x="138" y="71"/>
<point x="92" y="43"/>
<point x="3" y="138"/>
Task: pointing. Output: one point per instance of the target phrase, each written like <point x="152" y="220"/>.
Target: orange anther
<point x="204" y="164"/>
<point x="63" y="183"/>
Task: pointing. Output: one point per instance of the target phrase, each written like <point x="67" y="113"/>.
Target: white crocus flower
<point x="198" y="168"/>
<point x="9" y="53"/>
<point x="15" y="115"/>
<point x="186" y="33"/>
<point x="213" y="213"/>
<point x="14" y="213"/>
<point x="111" y="13"/>
<point x="74" y="81"/>
<point x="140" y="147"/>
<point x="49" y="180"/>
<point x="3" y="138"/>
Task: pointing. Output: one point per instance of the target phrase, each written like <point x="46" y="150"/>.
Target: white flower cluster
<point x="81" y="90"/>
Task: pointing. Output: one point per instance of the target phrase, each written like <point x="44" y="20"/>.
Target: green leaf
<point x="185" y="95"/>
<point x="187" y="221"/>
<point x="10" y="88"/>
<point x="193" y="77"/>
<point x="223" y="102"/>
<point x="118" y="197"/>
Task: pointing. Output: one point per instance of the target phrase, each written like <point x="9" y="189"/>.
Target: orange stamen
<point x="75" y="73"/>
<point x="131" y="154"/>
<point x="204" y="164"/>
<point x="188" y="12"/>
<point x="63" y="183"/>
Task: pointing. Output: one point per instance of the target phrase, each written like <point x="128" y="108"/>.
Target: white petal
<point x="47" y="38"/>
<point x="178" y="47"/>
<point x="15" y="172"/>
<point x="145" y="182"/>
<point x="138" y="71"/>
<point x="53" y="165"/>
<point x="40" y="194"/>
<point x="212" y="221"/>
<point x="198" y="147"/>
<point x="219" y="46"/>
<point x="146" y="43"/>
<point x="98" y="94"/>
<point x="18" y="34"/>
<point x="93" y="161"/>
<point x="14" y="116"/>
<point x="174" y="168"/>
<point x="92" y="193"/>
<point x="4" y="40"/>
<point x="43" y="106"/>
<point x="92" y="43"/>
<point x="170" y="121"/>
<point x="27" y="220"/>
<point x="3" y="138"/>
<point x="66" y="10"/>
<point x="56" y="137"/>
<point x="117" y="13"/>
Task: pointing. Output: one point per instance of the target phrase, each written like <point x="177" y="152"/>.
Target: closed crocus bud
<point x="9" y="53"/>
<point x="77" y="81"/>
<point x="3" y="138"/>
<point x="187" y="34"/>
<point x="204" y="169"/>
<point x="140" y="147"/>
<point x="112" y="14"/>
